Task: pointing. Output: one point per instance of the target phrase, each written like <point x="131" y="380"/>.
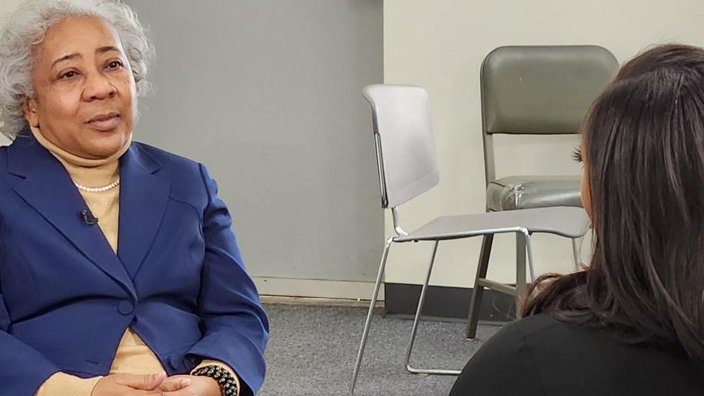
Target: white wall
<point x="440" y="45"/>
<point x="6" y="6"/>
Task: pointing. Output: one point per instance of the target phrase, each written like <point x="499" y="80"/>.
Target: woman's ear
<point x="29" y="109"/>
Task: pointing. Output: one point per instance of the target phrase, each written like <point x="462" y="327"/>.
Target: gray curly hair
<point x="25" y="28"/>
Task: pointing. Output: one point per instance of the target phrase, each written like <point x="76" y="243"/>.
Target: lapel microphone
<point x="88" y="217"/>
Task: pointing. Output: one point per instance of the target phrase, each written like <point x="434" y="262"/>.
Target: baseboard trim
<point x="449" y="303"/>
<point x="399" y="299"/>
<point x="314" y="288"/>
<point x="317" y="301"/>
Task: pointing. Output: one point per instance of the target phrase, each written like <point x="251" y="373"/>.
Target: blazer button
<point x="125" y="307"/>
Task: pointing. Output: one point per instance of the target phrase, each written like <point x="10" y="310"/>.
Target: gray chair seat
<point x="523" y="192"/>
<point x="564" y="221"/>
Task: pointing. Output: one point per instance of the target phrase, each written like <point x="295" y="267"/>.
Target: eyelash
<point x="577" y="154"/>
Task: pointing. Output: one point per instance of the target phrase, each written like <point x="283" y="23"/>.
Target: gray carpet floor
<point x="312" y="351"/>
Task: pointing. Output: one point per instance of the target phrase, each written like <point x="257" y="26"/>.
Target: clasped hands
<point x="156" y="385"/>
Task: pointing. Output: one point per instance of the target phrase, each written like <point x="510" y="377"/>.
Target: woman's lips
<point x="105" y="122"/>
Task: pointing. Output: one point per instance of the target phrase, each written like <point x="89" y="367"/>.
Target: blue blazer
<point x="178" y="279"/>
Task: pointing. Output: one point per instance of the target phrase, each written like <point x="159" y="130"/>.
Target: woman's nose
<point x="98" y="87"/>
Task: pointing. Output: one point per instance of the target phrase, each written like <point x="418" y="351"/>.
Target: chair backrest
<point x="542" y="89"/>
<point x="404" y="142"/>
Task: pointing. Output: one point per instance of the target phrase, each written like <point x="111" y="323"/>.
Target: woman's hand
<point x="134" y="385"/>
<point x="190" y="385"/>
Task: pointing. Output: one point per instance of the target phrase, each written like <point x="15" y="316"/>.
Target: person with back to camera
<point x="632" y="323"/>
<point x="119" y="274"/>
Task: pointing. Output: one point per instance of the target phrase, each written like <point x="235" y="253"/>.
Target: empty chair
<point x="534" y="90"/>
<point x="407" y="166"/>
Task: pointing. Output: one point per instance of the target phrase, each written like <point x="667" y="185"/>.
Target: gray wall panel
<point x="267" y="94"/>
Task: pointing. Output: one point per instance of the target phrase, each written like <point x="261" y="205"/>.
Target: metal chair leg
<point x="531" y="270"/>
<point x="529" y="248"/>
<point x="521" y="286"/>
<point x="370" y="313"/>
<point x="523" y="244"/>
<point x="575" y="252"/>
<point x="478" y="292"/>
<point x="416" y="321"/>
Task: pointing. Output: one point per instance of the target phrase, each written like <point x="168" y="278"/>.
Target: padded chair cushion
<point x="523" y="192"/>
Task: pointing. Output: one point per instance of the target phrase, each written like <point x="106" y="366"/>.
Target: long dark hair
<point x="643" y="142"/>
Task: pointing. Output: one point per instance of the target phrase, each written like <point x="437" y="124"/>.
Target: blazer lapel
<point x="143" y="199"/>
<point x="48" y="188"/>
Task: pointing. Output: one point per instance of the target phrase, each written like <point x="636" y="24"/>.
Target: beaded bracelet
<point x="228" y="386"/>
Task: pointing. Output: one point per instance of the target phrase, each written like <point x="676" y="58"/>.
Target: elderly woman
<point x="119" y="274"/>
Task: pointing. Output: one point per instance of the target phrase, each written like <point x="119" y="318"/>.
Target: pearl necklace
<point x="98" y="189"/>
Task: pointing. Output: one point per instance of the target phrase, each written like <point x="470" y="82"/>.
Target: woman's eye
<point x="68" y="74"/>
<point x="114" y="65"/>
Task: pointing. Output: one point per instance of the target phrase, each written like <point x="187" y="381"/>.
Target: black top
<point x="540" y="355"/>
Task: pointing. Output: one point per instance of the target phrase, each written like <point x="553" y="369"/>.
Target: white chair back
<point x="405" y="143"/>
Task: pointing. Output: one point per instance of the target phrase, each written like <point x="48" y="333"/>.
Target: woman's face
<point x="586" y="196"/>
<point x="85" y="98"/>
